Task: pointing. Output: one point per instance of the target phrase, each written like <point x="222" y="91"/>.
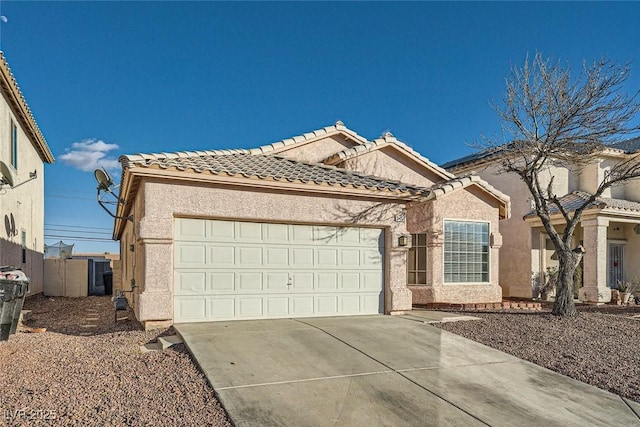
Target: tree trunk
<point x="564" y="305"/>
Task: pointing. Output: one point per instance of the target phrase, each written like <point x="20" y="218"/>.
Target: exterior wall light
<point x="403" y="241"/>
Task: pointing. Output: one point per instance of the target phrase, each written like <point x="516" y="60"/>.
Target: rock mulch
<point x="600" y="347"/>
<point x="86" y="370"/>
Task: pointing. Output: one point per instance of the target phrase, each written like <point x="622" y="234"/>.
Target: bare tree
<point x="553" y="119"/>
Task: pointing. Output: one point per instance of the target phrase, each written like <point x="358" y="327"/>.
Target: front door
<point x="616" y="263"/>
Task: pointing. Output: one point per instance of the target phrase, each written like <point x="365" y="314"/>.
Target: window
<point x="466" y="252"/>
<point x="23" y="243"/>
<point x="14" y="145"/>
<point x="418" y="260"/>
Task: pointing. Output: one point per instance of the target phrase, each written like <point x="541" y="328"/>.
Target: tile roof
<point x="242" y="163"/>
<point x="338" y="127"/>
<point x="573" y="201"/>
<point x="628" y="146"/>
<point x="463" y="181"/>
<point x="385" y="140"/>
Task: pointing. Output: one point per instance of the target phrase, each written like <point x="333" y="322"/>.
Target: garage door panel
<point x="191" y="309"/>
<point x="371" y="237"/>
<point x="221" y="308"/>
<point x="276" y="257"/>
<point x="222" y="281"/>
<point x="193" y="229"/>
<point x="221" y="256"/>
<point x="349" y="304"/>
<point x="326" y="305"/>
<point x="350" y="281"/>
<point x="327" y="281"/>
<point x="327" y="258"/>
<point x="301" y="306"/>
<point x="371" y="303"/>
<point x="227" y="270"/>
<point x="276" y="232"/>
<point x="370" y="258"/>
<point x="250" y="281"/>
<point x="277" y="282"/>
<point x="276" y="306"/>
<point x="191" y="255"/>
<point x="302" y="281"/>
<point x="349" y="257"/>
<point x="223" y="231"/>
<point x="302" y="234"/>
<point x="249" y="256"/>
<point x="349" y="236"/>
<point x="190" y="282"/>
<point x="325" y="235"/>
<point x="249" y="307"/>
<point x="371" y="281"/>
<point x="249" y="231"/>
<point x="302" y="257"/>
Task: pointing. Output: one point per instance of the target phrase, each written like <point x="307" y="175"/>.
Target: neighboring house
<point x="23" y="152"/>
<point x="326" y="223"/>
<point x="609" y="229"/>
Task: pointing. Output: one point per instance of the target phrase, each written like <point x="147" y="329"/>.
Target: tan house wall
<point x="66" y="277"/>
<point x="163" y="201"/>
<point x="25" y="203"/>
<point x="390" y="164"/>
<point x="318" y="150"/>
<point x="429" y="217"/>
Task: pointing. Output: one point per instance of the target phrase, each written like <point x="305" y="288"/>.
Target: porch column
<point x="595" y="288"/>
<point x="155" y="301"/>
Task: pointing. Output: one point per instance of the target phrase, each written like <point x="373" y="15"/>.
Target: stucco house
<point x="23" y="152"/>
<point x="325" y="223"/>
<point x="609" y="229"/>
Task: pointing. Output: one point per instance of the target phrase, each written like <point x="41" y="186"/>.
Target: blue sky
<point x="109" y="78"/>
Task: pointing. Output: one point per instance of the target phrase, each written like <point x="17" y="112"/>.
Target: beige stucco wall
<point x="24" y="203"/>
<point x="66" y="277"/>
<point x="429" y="217"/>
<point x="318" y="150"/>
<point x="163" y="201"/>
<point x="389" y="163"/>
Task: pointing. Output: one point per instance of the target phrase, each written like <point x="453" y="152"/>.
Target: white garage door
<point x="226" y="270"/>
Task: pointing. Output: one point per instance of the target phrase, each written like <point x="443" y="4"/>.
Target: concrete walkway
<point x="384" y="370"/>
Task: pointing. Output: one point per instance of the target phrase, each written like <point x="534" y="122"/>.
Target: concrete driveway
<point x="384" y="370"/>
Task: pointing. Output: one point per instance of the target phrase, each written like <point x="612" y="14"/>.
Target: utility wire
<point x="78" y="226"/>
<point x="59" y="236"/>
<point x="76" y="231"/>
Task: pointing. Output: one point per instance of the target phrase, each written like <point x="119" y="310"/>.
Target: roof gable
<point x="458" y="183"/>
<point x="337" y="129"/>
<point x="388" y="141"/>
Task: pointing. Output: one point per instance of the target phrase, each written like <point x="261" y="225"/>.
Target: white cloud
<point x="90" y="154"/>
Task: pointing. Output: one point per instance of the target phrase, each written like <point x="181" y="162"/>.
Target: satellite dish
<point x="104" y="179"/>
<point x="6" y="177"/>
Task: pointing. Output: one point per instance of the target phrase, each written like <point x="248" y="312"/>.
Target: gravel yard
<point x="87" y="371"/>
<point x="600" y="347"/>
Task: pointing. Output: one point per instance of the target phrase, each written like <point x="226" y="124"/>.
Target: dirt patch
<point x="87" y="370"/>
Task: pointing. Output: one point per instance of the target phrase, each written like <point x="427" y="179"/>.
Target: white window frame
<point x="444" y="252"/>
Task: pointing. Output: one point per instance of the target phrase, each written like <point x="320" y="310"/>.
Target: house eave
<point x="133" y="176"/>
<point x="21" y="109"/>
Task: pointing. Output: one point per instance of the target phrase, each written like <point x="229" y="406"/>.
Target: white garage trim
<point x="226" y="270"/>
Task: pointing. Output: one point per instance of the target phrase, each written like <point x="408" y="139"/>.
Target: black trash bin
<point x="13" y="288"/>
<point x="107" y="278"/>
